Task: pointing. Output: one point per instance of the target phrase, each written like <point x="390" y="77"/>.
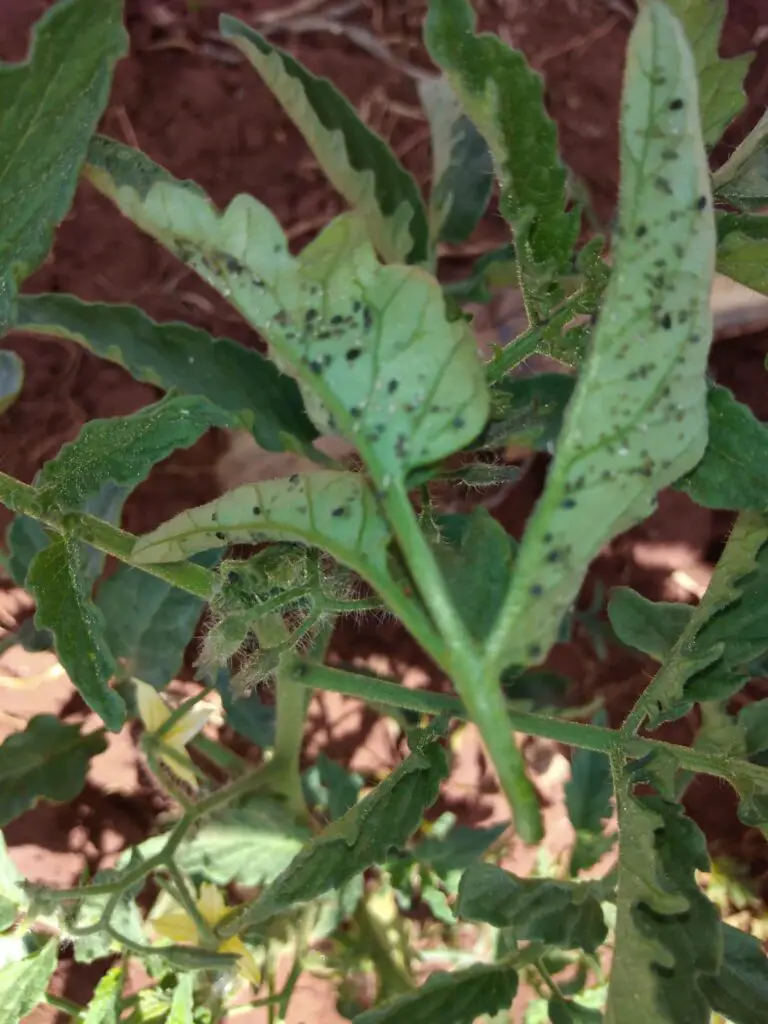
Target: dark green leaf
<point x="357" y="162"/>
<point x="528" y="411"/>
<point x="538" y="688"/>
<point x="458" y="998"/>
<point x="179" y="357"/>
<point x="476" y="556"/>
<point x="522" y="138"/>
<point x="652" y="627"/>
<point x="733" y="473"/>
<point x="150" y="623"/>
<point x="250" y="844"/>
<point x="565" y="914"/>
<point x="383" y="821"/>
<point x="458" y="849"/>
<point x="25" y="538"/>
<point x="48" y="759"/>
<point x="123" y="450"/>
<point x="49" y="107"/>
<point x="742" y="249"/>
<point x="667" y="931"/>
<point x="721" y="92"/>
<point x="23" y="983"/>
<point x="105" y="1007"/>
<point x="565" y="1011"/>
<point x="753" y="720"/>
<point x="739" y="991"/>
<point x="493" y="270"/>
<point x="247" y="715"/>
<point x="588" y="800"/>
<point x="341" y="788"/>
<point x="11" y="379"/>
<point x="746" y="187"/>
<point x="55" y="580"/>
<point x="462" y="167"/>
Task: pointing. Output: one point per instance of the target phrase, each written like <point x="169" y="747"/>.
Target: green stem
<point x="65" y="1005"/>
<point x="187" y="900"/>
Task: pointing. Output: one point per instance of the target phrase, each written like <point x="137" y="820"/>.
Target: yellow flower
<point x="172" y="921"/>
<point x="155" y="713"/>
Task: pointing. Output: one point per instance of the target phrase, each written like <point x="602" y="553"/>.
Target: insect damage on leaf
<point x="637" y="420"/>
<point x="375" y="354"/>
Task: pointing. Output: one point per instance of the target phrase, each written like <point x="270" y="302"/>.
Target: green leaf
<point x="721" y="92"/>
<point x="105" y="1006"/>
<point x="176" y="356"/>
<point x="250" y="844"/>
<point x="460" y="997"/>
<point x="24" y="538"/>
<point x="565" y="1011"/>
<point x="742" y="249"/>
<point x="124" y="449"/>
<point x="11" y="379"/>
<point x="336" y="789"/>
<point x="383" y="821"/>
<point x="55" y="580"/>
<point x="12" y="896"/>
<point x="739" y="991"/>
<point x="23" y="984"/>
<point x="357" y="162"/>
<point x="50" y="107"/>
<point x="149" y="623"/>
<point x="332" y="510"/>
<point x="48" y="759"/>
<point x="247" y="715"/>
<point x="564" y="914"/>
<point x="462" y="166"/>
<point x="459" y="848"/>
<point x="667" y="931"/>
<point x="182" y="1005"/>
<point x="528" y="411"/>
<point x="746" y="184"/>
<point x="725" y="632"/>
<point x="588" y="801"/>
<point x="476" y="556"/>
<point x="637" y="420"/>
<point x="652" y="627"/>
<point x="733" y="473"/>
<point x="125" y="918"/>
<point x="376" y="357"/>
<point x="753" y="721"/>
<point x="486" y="74"/>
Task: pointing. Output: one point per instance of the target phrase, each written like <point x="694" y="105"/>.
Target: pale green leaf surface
<point x="460" y="997"/>
<point x="357" y="162"/>
<point x="558" y="913"/>
<point x="462" y="166"/>
<point x="250" y="844"/>
<point x="182" y="1004"/>
<point x="739" y="991"/>
<point x="124" y="449"/>
<point x="23" y="984"/>
<point x="724" y="632"/>
<point x="733" y="473"/>
<point x="652" y="627"/>
<point x="371" y="346"/>
<point x="126" y="918"/>
<point x="382" y="821"/>
<point x="721" y="79"/>
<point x="11" y="379"/>
<point x="637" y="419"/>
<point x="64" y="606"/>
<point x="49" y="108"/>
<point x="327" y="509"/>
<point x="180" y="357"/>
<point x="104" y="1007"/>
<point x="48" y="759"/>
<point x="667" y="931"/>
<point x="522" y="138"/>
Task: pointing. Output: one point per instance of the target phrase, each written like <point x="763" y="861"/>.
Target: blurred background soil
<point x="194" y="105"/>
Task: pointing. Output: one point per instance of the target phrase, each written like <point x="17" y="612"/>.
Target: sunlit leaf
<point x="176" y="356"/>
<point x="637" y="420"/>
<point x="462" y="166"/>
<point x="105" y="1006"/>
<point x="124" y="449"/>
<point x="457" y="998"/>
<point x="125" y="918"/>
<point x="11" y="379"/>
<point x="383" y="821"/>
<point x="652" y="627"/>
<point x="23" y="984"/>
<point x="64" y="606"/>
<point x="50" y="106"/>
<point x="48" y="759"/>
<point x="372" y="348"/>
<point x="486" y="74"/>
<point x="358" y="163"/>
<point x="667" y="932"/>
<point x="739" y="991"/>
<point x="565" y="914"/>
<point x="182" y="1004"/>
<point x="12" y="896"/>
<point x="721" y="91"/>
